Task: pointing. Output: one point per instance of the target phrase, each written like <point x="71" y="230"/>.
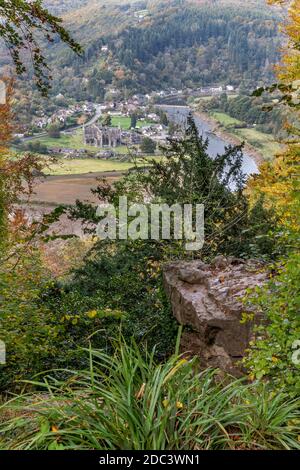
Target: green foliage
<point x="37" y="147"/>
<point x="106" y="120"/>
<point x="126" y="277"/>
<point x="37" y="338"/>
<point x="148" y="145"/>
<point x="251" y="111"/>
<point x="129" y="402"/>
<point x="133" y="121"/>
<point x="23" y="24"/>
<point x="272" y="355"/>
<point x="54" y="131"/>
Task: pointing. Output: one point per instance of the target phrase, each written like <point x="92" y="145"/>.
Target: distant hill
<point x="144" y="45"/>
<point x="59" y="7"/>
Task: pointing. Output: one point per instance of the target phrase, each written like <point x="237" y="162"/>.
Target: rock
<point x="220" y="262"/>
<point x="208" y="300"/>
<point x="192" y="275"/>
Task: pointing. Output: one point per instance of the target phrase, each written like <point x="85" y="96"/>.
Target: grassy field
<point x="225" y="119"/>
<point x="87" y="165"/>
<point x="265" y="144"/>
<point x="72" y="141"/>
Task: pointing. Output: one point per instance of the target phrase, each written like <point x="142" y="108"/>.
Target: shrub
<point x="271" y="354"/>
<point x="148" y="145"/>
<point x="36" y="337"/>
<point x="126" y="277"/>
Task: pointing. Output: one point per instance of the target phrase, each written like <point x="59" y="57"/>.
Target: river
<point x="178" y="114"/>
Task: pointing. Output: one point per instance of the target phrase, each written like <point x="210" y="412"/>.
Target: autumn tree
<point x="279" y="179"/>
<point x="273" y="347"/>
<point x="23" y="25"/>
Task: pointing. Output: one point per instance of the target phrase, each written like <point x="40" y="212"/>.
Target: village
<point x="113" y="129"/>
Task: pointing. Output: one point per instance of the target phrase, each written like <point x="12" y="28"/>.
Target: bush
<point x="36" y="337"/>
<point x="54" y="131"/>
<point x="272" y="352"/>
<point x="126" y="277"/>
<point x="148" y="145"/>
<point x="128" y="402"/>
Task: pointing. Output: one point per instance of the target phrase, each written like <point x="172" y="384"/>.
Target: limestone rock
<point x="207" y="298"/>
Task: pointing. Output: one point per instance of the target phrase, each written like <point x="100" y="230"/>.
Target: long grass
<point x="129" y="402"/>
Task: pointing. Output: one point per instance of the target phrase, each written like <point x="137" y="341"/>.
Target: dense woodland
<point x="186" y="48"/>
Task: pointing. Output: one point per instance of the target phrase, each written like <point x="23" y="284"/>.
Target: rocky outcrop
<point x="207" y="300"/>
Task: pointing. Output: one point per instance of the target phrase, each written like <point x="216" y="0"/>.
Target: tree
<point x="23" y="24"/>
<point x="133" y="121"/>
<point x="279" y="179"/>
<point x="276" y="342"/>
<point x="148" y="145"/>
<point x="54" y="131"/>
<point x="106" y="121"/>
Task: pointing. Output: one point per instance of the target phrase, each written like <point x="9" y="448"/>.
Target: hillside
<point x="152" y="45"/>
<point x="155" y="45"/>
<point x="59" y="8"/>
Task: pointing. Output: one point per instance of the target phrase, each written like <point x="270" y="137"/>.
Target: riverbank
<point x="268" y="147"/>
<point x="233" y="139"/>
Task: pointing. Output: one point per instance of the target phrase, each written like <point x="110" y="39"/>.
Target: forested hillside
<point x="155" y="45"/>
<point x="198" y="47"/>
<point x="58" y="7"/>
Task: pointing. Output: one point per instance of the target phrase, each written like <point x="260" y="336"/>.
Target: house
<point x="216" y="90"/>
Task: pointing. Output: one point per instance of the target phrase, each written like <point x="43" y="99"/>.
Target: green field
<point x="72" y="141"/>
<point x="78" y="166"/>
<point x="265" y="144"/>
<point x="88" y="165"/>
<point x="225" y="119"/>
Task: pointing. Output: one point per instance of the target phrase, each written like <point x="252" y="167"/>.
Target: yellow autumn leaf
<point x="92" y="313"/>
<point x="54" y="429"/>
<point x="179" y="405"/>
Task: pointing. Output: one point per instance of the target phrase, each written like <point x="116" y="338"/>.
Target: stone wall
<point x="207" y="300"/>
